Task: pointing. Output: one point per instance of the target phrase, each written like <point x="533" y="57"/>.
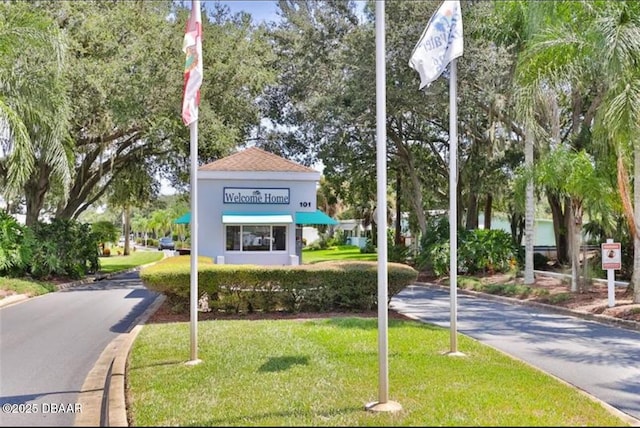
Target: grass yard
<point x="10" y="286"/>
<point x="341" y="252"/>
<point x="322" y="372"/>
<point x="113" y="263"/>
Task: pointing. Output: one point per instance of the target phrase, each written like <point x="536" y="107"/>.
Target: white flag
<point x="441" y="42"/>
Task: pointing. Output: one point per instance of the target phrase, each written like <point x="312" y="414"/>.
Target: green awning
<point x="317" y="217"/>
<point x="256" y="218"/>
<point x="184" y="219"/>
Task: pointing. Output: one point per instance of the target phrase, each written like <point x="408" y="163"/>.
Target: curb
<point x="116" y="403"/>
<point x="102" y="395"/>
<point x="13" y="299"/>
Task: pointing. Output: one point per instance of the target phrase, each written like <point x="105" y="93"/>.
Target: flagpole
<point x="453" y="205"/>
<point x="383" y="404"/>
<point x="193" y="137"/>
<point x="191" y="101"/>
<point x="440" y="44"/>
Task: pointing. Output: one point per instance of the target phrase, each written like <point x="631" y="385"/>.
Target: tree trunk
<point x="35" y="191"/>
<point x="576" y="243"/>
<point x="529" y="216"/>
<point x="416" y="199"/>
<point x="472" y="211"/>
<point x="127" y="229"/>
<point x="405" y="158"/>
<point x="635" y="277"/>
<point x="517" y="224"/>
<point x="560" y="226"/>
<point x="488" y="206"/>
<point x="460" y="208"/>
<point x="398" y="235"/>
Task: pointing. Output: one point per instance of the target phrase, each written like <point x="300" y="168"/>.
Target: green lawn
<point x="342" y="252"/>
<point x="116" y="263"/>
<point x="322" y="372"/>
<point x="23" y="286"/>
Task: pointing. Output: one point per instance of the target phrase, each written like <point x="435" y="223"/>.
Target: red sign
<point x="611" y="257"/>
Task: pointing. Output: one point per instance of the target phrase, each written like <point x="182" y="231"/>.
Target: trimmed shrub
<point x="320" y="287"/>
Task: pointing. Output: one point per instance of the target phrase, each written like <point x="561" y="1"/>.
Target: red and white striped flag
<point x="192" y="46"/>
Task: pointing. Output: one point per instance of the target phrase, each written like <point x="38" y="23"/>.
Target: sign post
<point x="611" y="260"/>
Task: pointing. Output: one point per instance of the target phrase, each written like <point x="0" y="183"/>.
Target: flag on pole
<point x="192" y="46"/>
<point x="441" y="42"/>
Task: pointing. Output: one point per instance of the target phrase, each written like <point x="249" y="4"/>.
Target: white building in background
<point x="354" y="231"/>
<point x="310" y="234"/>
<point x="542" y="229"/>
<point x="252" y="207"/>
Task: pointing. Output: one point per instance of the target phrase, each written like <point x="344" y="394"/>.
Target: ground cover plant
<point x="323" y="371"/>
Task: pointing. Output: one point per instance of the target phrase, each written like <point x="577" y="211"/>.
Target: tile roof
<point x="255" y="159"/>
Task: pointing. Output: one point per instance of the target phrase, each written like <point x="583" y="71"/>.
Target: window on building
<point x="233" y="238"/>
<point x="256" y="238"/>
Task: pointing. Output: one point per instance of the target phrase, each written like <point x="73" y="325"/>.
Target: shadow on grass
<point x="278" y="364"/>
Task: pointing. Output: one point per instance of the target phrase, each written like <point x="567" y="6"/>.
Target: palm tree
<point x="161" y="222"/>
<point x="139" y="225"/>
<point x="517" y="23"/>
<point x="589" y="52"/>
<point x="34" y="106"/>
<point x="618" y="124"/>
<point x="588" y="55"/>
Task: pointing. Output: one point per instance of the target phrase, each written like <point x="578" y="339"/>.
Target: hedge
<point x="319" y="287"/>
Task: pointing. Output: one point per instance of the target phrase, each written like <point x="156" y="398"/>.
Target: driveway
<point x="600" y="359"/>
<point x="48" y="345"/>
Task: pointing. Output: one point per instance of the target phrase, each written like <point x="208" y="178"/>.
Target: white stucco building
<point x="252" y="207"/>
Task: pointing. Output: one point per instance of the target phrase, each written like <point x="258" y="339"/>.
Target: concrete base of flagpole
<point x="454" y="354"/>
<point x="389" y="406"/>
<point x="193" y="362"/>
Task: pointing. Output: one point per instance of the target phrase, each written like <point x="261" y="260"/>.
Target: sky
<point x="260" y="10"/>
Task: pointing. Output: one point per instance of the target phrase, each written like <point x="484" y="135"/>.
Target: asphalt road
<point x="48" y="345"/>
<point x="602" y="360"/>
